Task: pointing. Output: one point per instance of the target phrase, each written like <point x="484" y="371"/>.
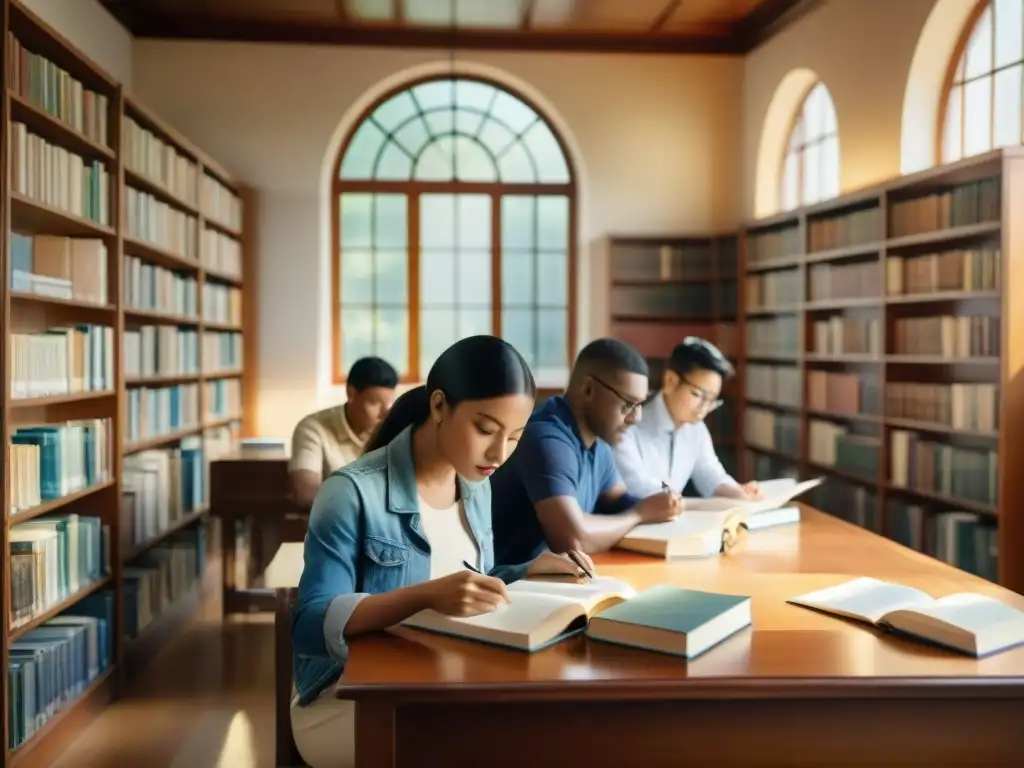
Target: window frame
<point x="412" y="189"/>
<point x="801" y="150"/>
<point x="959" y="51"/>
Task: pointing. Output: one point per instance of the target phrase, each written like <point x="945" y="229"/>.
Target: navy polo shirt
<point x="550" y="460"/>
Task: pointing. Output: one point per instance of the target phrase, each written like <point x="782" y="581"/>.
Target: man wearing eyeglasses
<point x="672" y="445"/>
<point x="560" y="489"/>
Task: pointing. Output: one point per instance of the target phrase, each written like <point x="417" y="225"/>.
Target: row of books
<point x="773" y="336"/>
<point x="54" y="460"/>
<point x="950" y="270"/>
<point x="773" y="245"/>
<point x="160" y="350"/>
<point x="222" y="351"/>
<point x="843" y="392"/>
<point x="848" y="229"/>
<point x="62" y="361"/>
<point x="221" y="253"/>
<point x="150" y="219"/>
<point x="949" y="336"/>
<point x="219" y="204"/>
<point x="952" y="471"/>
<point x="159" y="488"/>
<point x="957" y="405"/>
<point x="55" y="91"/>
<point x="764" y="428"/>
<point x="222" y="303"/>
<point x="963" y="205"/>
<point x="60" y="267"/>
<point x="774" y="384"/>
<point x="223" y="398"/>
<point x="53" y="558"/>
<point x="852" y="280"/>
<point x="153" y="412"/>
<point x="650" y="262"/>
<point x="835" y="445"/>
<point x="775" y="290"/>
<point x="147" y="154"/>
<point x="158" y="289"/>
<point x="852" y="334"/>
<point x="690" y="300"/>
<point x="963" y="539"/>
<point x="58" y="177"/>
<point x="51" y="665"/>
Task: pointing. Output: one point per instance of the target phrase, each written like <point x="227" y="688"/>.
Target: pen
<point x="576" y="559"/>
<point x="664" y="487"/>
<point x="472" y="567"/>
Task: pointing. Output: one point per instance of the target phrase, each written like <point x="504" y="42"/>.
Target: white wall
<point x="92" y="29"/>
<point x="654" y="139"/>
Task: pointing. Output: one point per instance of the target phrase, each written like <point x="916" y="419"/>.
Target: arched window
<point x="454" y="216"/>
<point x="984" y="102"/>
<point x="810" y="172"/>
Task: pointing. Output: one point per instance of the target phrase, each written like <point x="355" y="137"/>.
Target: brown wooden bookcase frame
<point x="24" y="214"/>
<point x="1007" y="303"/>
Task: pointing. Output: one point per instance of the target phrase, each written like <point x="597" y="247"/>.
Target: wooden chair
<point x="287" y="754"/>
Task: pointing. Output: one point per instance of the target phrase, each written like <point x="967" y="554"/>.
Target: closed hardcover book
<point x="667" y="619"/>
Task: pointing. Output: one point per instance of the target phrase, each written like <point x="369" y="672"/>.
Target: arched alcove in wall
<point x="778" y="120"/>
<point x="923" y="95"/>
<point x="350" y="121"/>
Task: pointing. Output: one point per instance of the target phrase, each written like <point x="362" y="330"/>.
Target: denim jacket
<point x="364" y="538"/>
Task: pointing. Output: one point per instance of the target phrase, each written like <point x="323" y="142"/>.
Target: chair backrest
<point x="287" y="754"/>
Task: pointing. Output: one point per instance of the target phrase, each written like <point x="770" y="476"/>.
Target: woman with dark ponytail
<point x="389" y="534"/>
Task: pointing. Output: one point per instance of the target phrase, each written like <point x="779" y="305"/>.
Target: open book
<point x="538" y="614"/>
<point x="705" y="524"/>
<point x="967" y="622"/>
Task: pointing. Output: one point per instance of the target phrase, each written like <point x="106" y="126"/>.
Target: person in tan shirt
<point x="329" y="439"/>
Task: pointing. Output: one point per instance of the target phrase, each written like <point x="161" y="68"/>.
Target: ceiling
<point x="627" y="26"/>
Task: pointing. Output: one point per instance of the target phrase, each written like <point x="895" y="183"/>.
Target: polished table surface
<point x="789" y="653"/>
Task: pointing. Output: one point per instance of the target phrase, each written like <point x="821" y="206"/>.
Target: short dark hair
<point x="694" y="353"/>
<point x="611" y="355"/>
<point x="369" y="372"/>
<point x="473" y="368"/>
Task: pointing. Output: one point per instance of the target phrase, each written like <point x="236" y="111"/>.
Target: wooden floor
<point x="207" y="702"/>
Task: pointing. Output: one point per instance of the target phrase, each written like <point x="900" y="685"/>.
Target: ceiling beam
<point x="770" y="18"/>
<point x="666" y="13"/>
<point x="157" y="24"/>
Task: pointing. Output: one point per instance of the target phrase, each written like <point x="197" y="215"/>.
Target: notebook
<point x="967" y="622"/>
<point x="667" y="619"/>
<point x="538" y="614"/>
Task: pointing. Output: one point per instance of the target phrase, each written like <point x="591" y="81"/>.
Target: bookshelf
<point x="884" y="339"/>
<point x="123" y="259"/>
<point x="662" y="289"/>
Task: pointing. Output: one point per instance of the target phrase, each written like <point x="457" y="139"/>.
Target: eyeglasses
<point x="628" y="406"/>
<point x="705" y="402"/>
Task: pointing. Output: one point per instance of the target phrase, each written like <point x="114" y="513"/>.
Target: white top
<point x="450" y="539"/>
<point x="655" y="451"/>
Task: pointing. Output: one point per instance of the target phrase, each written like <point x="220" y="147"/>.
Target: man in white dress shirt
<point x="671" y="444"/>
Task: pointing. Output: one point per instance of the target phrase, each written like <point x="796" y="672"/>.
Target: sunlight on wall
<point x="922" y="99"/>
<point x="327" y="392"/>
<point x="787" y="99"/>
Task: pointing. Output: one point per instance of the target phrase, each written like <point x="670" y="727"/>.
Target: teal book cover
<point x="672" y="609"/>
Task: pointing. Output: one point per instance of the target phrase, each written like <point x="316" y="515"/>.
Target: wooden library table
<point x="798" y="688"/>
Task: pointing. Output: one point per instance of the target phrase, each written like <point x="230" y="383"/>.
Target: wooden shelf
<point x="863" y="410"/>
<point x="31" y="314"/>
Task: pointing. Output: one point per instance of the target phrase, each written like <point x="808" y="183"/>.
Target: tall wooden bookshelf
<point x="883" y="347"/>
<point x="122" y="263"/>
<point x="662" y="289"/>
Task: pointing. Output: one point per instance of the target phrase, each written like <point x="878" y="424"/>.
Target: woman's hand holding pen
<point x="573" y="563"/>
<point x="466" y="593"/>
